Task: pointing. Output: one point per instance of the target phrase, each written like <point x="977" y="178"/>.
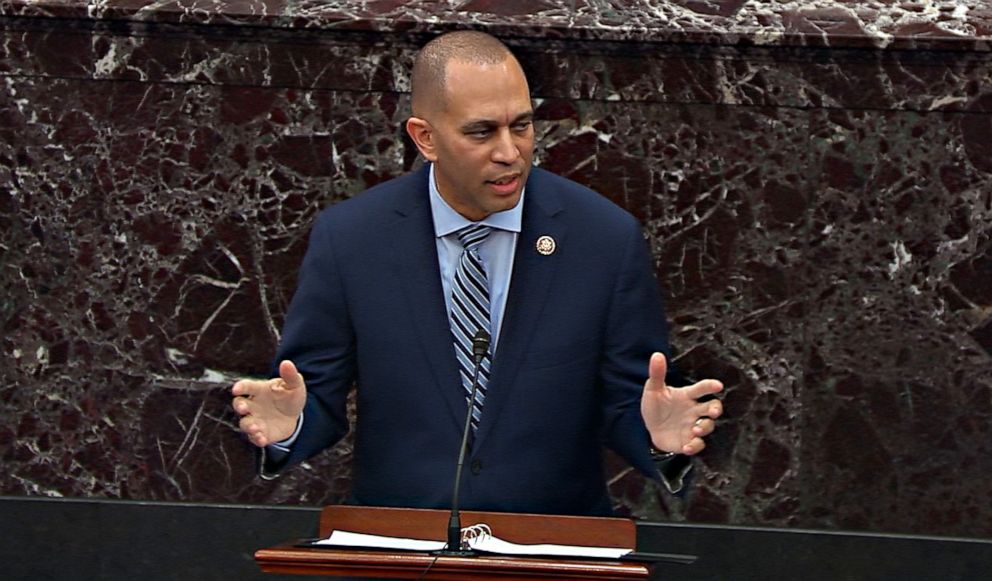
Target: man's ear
<point x="422" y="134"/>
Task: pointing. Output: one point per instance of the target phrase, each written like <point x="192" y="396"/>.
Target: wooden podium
<point x="432" y="525"/>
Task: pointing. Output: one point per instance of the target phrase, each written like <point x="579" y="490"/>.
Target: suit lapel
<point x="415" y="250"/>
<point x="529" y="287"/>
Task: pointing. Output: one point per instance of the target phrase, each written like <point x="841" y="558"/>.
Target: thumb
<point x="657" y="368"/>
<point x="289" y="375"/>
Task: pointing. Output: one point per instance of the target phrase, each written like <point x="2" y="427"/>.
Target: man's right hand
<point x="269" y="409"/>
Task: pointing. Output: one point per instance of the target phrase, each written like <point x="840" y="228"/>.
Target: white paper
<point x="349" y="539"/>
<point x="497" y="545"/>
<point x="485" y="543"/>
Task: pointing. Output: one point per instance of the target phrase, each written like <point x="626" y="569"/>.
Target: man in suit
<point x="563" y="283"/>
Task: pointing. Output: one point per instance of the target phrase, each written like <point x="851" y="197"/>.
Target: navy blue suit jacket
<point x="579" y="328"/>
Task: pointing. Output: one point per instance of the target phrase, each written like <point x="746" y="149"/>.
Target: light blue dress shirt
<point x="496" y="252"/>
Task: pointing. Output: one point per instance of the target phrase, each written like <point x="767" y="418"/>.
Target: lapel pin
<point x="546" y="245"/>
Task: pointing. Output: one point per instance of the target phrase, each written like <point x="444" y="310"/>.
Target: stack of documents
<point x="479" y="540"/>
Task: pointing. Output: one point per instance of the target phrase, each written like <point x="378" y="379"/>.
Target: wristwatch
<point x="672" y="468"/>
<point x="659" y="455"/>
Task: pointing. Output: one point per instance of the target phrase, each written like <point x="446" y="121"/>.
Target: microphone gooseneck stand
<point x="480" y="346"/>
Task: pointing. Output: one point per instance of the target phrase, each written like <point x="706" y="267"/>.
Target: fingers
<point x="290" y="376"/>
<point x="703" y="388"/>
<point x="709" y="409"/>
<point x="693" y="447"/>
<point x="244" y="387"/>
<point x="700" y="429"/>
<point x="241" y="405"/>
<point x="262" y="404"/>
<point x="255" y="430"/>
<point x="243" y="391"/>
<point x="703" y="427"/>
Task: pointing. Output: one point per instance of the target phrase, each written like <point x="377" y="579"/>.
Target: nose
<point x="505" y="150"/>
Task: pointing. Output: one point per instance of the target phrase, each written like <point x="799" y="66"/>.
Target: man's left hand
<point x="675" y="418"/>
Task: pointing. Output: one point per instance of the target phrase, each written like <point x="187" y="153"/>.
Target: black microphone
<point x="480" y="346"/>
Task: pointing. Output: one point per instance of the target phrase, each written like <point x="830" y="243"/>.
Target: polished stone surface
<point x="815" y="179"/>
<point x="961" y="24"/>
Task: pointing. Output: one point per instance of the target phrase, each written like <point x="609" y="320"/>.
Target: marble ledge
<point x="962" y="25"/>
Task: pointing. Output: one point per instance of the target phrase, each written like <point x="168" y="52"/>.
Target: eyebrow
<point x="489" y="124"/>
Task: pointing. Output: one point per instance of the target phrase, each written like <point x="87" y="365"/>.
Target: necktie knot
<point x="472" y="236"/>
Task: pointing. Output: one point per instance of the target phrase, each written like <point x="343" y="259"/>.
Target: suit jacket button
<point x="476" y="467"/>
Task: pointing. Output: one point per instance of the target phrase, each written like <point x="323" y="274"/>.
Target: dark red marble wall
<point x="815" y="179"/>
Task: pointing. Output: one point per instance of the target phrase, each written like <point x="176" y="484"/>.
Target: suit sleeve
<point x="318" y="337"/>
<point x="636" y="327"/>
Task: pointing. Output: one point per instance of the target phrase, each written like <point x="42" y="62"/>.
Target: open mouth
<point x="506" y="184"/>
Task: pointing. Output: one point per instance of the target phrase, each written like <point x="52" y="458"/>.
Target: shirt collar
<point x="447" y="220"/>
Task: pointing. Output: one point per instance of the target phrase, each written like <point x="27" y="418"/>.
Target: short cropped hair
<point x="427" y="81"/>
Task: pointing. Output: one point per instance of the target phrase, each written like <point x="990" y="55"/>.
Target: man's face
<point x="482" y="137"/>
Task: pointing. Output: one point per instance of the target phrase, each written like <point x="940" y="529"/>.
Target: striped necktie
<point x="470" y="312"/>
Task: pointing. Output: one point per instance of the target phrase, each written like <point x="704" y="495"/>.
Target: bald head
<point x="427" y="82"/>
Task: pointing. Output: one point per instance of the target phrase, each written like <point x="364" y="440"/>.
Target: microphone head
<point x="480" y="344"/>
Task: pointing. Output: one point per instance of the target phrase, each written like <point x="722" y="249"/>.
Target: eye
<point x="522" y="126"/>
